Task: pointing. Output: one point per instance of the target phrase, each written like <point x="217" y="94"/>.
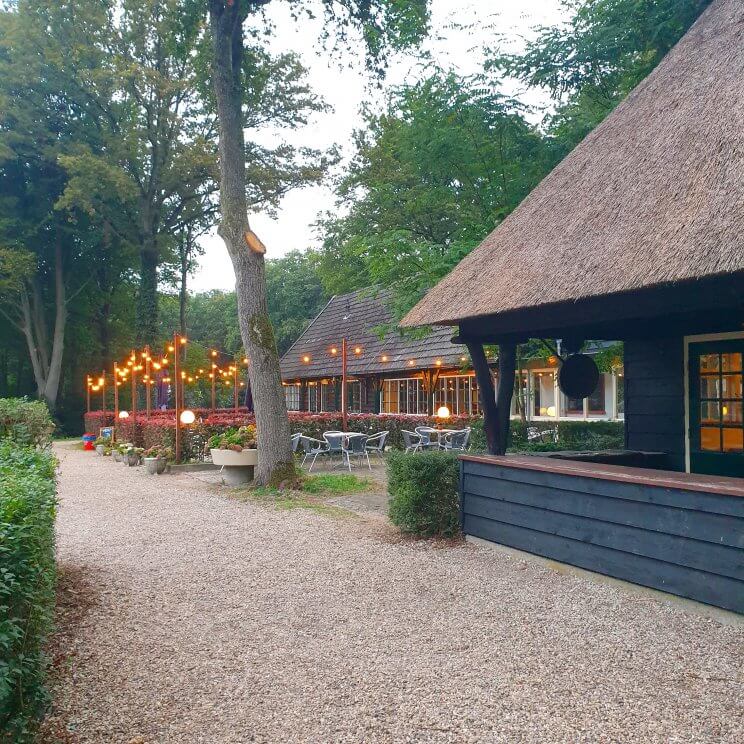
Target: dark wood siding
<point x="684" y="542"/>
<point x="655" y="398"/>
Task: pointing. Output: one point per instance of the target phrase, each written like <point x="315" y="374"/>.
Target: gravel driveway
<point x="219" y="621"/>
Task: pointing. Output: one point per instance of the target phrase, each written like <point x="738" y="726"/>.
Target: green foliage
<point x="27" y="581"/>
<point x="238" y="439"/>
<point x="25" y="421"/>
<point x="594" y="61"/>
<point x="448" y="160"/>
<point x="423" y="489"/>
<point x="335" y="484"/>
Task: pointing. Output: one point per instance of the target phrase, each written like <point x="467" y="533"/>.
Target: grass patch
<point x="336" y="484"/>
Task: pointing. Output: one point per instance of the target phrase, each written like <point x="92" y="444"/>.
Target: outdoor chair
<point x="411" y="441"/>
<point x="296" y="441"/>
<point x="312" y="448"/>
<point x="457" y="441"/>
<point x="355" y="445"/>
<point x="376" y="444"/>
<point x="425" y="433"/>
<point x="335" y="441"/>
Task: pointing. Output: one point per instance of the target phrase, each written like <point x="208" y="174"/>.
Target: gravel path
<point x="220" y="621"/>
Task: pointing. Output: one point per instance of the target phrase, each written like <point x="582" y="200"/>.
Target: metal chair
<point x="457" y="441"/>
<point x="312" y="448"/>
<point x="411" y="440"/>
<point x="295" y="440"/>
<point x="425" y="433"/>
<point x="355" y="445"/>
<point x="376" y="443"/>
<point x="335" y="441"/>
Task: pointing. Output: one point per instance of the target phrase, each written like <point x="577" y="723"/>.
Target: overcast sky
<point x="461" y="29"/>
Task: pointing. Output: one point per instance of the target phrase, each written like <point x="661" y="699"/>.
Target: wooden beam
<point x="507" y="369"/>
<point x="486" y="395"/>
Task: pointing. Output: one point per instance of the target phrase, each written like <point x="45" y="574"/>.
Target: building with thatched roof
<point x="638" y="236"/>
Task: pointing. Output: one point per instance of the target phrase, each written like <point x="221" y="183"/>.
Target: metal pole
<point x="214" y="388"/>
<point x="176" y="393"/>
<point x="87" y="392"/>
<point x="134" y="388"/>
<point x="235" y="386"/>
<point x="148" y="389"/>
<point x="103" y="390"/>
<point x="344" y="421"/>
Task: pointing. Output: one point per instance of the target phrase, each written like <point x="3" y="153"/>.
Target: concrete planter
<point x="237" y="467"/>
<point x="116" y="455"/>
<point x="133" y="459"/>
<point x="100" y="448"/>
<point x="155" y="465"/>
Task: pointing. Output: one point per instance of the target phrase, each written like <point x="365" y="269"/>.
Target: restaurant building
<point x="637" y="236"/>
<point x="404" y="374"/>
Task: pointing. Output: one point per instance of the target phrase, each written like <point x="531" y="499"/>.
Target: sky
<point x="460" y="31"/>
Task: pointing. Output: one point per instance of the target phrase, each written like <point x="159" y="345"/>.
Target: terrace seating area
<point x="425" y="438"/>
<point x="346" y="447"/>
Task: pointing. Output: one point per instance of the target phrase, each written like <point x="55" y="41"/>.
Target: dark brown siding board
<point x="684" y="582"/>
<point x="685" y="523"/>
<point x="697" y="501"/>
<point x="704" y="556"/>
<point x="684" y="542"/>
<point x="654" y="397"/>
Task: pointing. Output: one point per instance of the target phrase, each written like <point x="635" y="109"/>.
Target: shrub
<point x="423" y="490"/>
<point x="26" y="422"/>
<point x="27" y="580"/>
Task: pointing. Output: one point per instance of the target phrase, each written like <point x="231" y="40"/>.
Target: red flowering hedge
<point x="160" y="427"/>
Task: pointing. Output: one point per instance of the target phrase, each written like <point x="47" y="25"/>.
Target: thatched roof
<point x="654" y="195"/>
<point x="356" y="316"/>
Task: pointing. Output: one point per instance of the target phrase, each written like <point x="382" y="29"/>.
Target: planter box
<point x="99" y="449"/>
<point x="155" y="465"/>
<point x="237" y="467"/>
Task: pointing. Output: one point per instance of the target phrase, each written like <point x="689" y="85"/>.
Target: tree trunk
<point x="275" y="462"/>
<point x="147" y="307"/>
<point x="60" y="322"/>
<point x="184" y="251"/>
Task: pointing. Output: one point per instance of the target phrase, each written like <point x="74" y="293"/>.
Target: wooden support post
<point x="116" y="398"/>
<point x="214" y="388"/>
<point x="235" y="386"/>
<point x="496" y="406"/>
<point x="103" y="392"/>
<point x="176" y="397"/>
<point x="134" y="388"/>
<point x="148" y="379"/>
<point x="344" y="361"/>
<point x="87" y="393"/>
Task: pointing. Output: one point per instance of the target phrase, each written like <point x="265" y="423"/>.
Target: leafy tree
<point x="448" y="159"/>
<point x="591" y="63"/>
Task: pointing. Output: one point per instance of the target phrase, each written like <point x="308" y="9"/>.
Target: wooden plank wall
<point x="682" y="542"/>
<point x="655" y="398"/>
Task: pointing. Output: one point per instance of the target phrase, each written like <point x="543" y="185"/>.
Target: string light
<point x="334" y="351"/>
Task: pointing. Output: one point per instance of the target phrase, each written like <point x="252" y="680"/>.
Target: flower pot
<point x="100" y="449"/>
<point x="237" y="467"/>
<point x="155" y="465"/>
<point x="133" y="459"/>
<point x="116" y="455"/>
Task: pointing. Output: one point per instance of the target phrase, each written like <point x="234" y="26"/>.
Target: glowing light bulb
<point x="187" y="417"/>
<point x="123" y="414"/>
<point x="443" y="412"/>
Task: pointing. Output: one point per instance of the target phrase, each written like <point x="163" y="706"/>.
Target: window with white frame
<point x="403" y="396"/>
<point x="292" y="396"/>
<point x="354" y="396"/>
<point x="313" y="397"/>
<point x="328" y="396"/>
<point x="543" y="393"/>
<point x="459" y="393"/>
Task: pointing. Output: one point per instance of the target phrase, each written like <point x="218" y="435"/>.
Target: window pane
<point x="733" y="440"/>
<point x="710" y="439"/>
<point x="731" y="386"/>
<point x="731" y="362"/>
<point x="709" y="387"/>
<point x="732" y="412"/>
<point x="710" y="412"/>
<point x="597" y="398"/>
<point x="709" y="362"/>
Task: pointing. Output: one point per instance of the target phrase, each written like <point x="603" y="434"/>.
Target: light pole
<point x="344" y="418"/>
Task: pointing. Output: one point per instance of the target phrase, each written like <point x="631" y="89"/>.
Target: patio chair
<point x="295" y="441"/>
<point x="457" y="441"/>
<point x="335" y="440"/>
<point x="425" y="433"/>
<point x="411" y="441"/>
<point x="355" y="445"/>
<point x="312" y="448"/>
<point x="376" y="443"/>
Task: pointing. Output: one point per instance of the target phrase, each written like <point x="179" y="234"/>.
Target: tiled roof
<point x="355" y="316"/>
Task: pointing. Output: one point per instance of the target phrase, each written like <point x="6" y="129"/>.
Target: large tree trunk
<point x="147" y="306"/>
<point x="275" y="462"/>
<point x="185" y="252"/>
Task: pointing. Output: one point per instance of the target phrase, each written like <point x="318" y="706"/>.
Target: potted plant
<point x="156" y="459"/>
<point x="134" y="455"/>
<point x="121" y="450"/>
<point x="236" y="451"/>
<point x="100" y="445"/>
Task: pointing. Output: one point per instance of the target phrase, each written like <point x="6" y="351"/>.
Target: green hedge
<point x="423" y="491"/>
<point x="27" y="583"/>
<point x="26" y="422"/>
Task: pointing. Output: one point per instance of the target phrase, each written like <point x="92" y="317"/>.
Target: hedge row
<point x="27" y="581"/>
<point x="159" y="429"/>
<point x="25" y="421"/>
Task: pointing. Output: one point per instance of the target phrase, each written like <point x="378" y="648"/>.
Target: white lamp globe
<point x="443" y="412"/>
<point x="188" y="417"/>
<point x="123" y="414"/>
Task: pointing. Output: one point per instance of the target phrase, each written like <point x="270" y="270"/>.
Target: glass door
<point x="716" y="407"/>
